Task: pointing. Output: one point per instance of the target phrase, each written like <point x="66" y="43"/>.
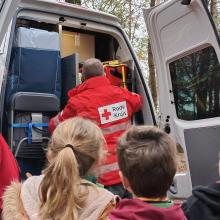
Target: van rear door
<point x="186" y="51"/>
<point x="7" y="10"/>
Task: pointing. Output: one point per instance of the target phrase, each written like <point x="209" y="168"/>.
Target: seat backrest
<point x="29" y="116"/>
<point x="34" y="102"/>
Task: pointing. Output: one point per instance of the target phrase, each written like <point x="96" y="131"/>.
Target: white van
<point x="186" y="52"/>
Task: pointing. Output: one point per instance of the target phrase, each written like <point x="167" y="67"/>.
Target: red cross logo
<point x="106" y="114"/>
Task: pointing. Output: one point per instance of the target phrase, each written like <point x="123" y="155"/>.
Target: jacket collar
<point x="91" y="83"/>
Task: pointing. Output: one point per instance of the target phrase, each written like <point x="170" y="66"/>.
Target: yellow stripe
<point x="153" y="199"/>
<point x="118" y="127"/>
<point x="123" y="77"/>
<point x="108" y="168"/>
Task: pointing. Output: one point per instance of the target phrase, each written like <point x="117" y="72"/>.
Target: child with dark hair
<point x="147" y="162"/>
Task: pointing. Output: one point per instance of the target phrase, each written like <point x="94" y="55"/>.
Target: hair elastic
<point x="70" y="146"/>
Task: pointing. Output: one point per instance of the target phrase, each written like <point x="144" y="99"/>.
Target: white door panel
<point x="7" y="10"/>
<point x="186" y="53"/>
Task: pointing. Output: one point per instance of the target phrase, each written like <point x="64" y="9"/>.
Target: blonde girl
<point x="62" y="192"/>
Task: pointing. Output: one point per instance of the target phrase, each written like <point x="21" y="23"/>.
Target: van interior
<point x="44" y="66"/>
<point x="74" y="46"/>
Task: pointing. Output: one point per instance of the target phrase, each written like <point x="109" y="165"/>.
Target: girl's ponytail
<point x="60" y="193"/>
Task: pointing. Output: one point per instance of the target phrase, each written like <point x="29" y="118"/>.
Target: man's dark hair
<point x="147" y="158"/>
<point x="81" y="64"/>
<point x="92" y="67"/>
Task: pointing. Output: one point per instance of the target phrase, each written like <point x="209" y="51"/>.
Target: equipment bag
<point x="117" y="73"/>
<point x="35" y="64"/>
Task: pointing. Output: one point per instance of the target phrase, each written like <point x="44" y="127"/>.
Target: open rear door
<point x="186" y="51"/>
<point x="7" y="10"/>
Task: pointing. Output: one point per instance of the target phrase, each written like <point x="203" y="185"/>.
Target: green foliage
<point x="129" y="13"/>
<point x="78" y="2"/>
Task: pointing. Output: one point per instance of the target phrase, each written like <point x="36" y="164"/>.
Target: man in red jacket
<point x="8" y="168"/>
<point x="111" y="107"/>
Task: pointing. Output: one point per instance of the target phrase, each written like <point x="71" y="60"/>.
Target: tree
<point x="213" y="11"/>
<point x="152" y="73"/>
<point x="127" y="11"/>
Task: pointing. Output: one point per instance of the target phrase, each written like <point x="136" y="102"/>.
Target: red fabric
<point x="115" y="79"/>
<point x="134" y="209"/>
<point x="8" y="167"/>
<point x="84" y="101"/>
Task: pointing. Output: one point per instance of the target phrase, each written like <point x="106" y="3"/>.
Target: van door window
<point x="196" y="85"/>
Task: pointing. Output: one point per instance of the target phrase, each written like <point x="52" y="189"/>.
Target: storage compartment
<point x="82" y="44"/>
<point x="87" y="44"/>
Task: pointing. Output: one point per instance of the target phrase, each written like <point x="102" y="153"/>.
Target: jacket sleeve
<point x="67" y="112"/>
<point x="193" y="209"/>
<point x="12" y="203"/>
<point x="135" y="100"/>
<point x="1" y="156"/>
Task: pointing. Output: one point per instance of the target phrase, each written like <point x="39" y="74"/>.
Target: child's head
<point x="76" y="145"/>
<point x="91" y="68"/>
<point x="81" y="137"/>
<point x="147" y="160"/>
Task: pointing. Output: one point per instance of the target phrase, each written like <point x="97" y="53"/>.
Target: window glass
<point x="196" y="85"/>
<point x="1" y="4"/>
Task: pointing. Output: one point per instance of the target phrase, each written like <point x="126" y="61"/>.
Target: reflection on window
<point x="196" y="85"/>
<point x="1" y="4"/>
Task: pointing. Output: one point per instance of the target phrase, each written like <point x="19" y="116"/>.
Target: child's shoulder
<point x="30" y="187"/>
<point x="99" y="202"/>
<point x="95" y="191"/>
<point x="32" y="181"/>
<point x="132" y="207"/>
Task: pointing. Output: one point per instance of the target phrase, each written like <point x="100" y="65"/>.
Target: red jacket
<point x="135" y="209"/>
<point x="8" y="167"/>
<point x="111" y="107"/>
